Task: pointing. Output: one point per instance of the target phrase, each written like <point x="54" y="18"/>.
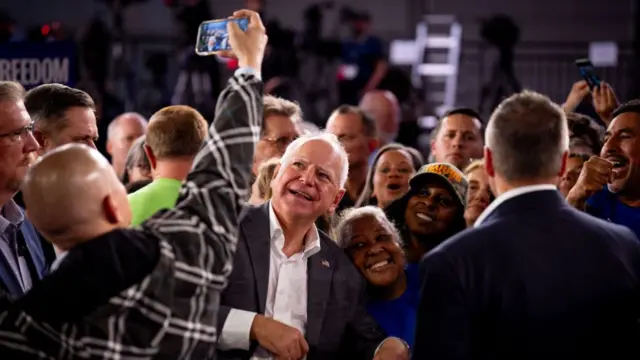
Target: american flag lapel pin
<point x="325" y="263"/>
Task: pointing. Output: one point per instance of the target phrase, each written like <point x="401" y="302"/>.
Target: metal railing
<point x="544" y="67"/>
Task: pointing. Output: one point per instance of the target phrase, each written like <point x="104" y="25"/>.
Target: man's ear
<point x="151" y="156"/>
<point x="563" y="164"/>
<point x="110" y="210"/>
<point x="40" y="137"/>
<point x="488" y="162"/>
<point x="276" y="170"/>
<point x="336" y="201"/>
<point x="109" y="147"/>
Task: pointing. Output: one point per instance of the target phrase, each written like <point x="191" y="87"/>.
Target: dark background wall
<point x="553" y="32"/>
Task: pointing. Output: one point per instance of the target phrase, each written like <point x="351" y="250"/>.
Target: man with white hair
<point x="293" y="292"/>
<point x="535" y="278"/>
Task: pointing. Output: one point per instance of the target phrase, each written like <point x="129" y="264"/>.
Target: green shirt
<point x="160" y="194"/>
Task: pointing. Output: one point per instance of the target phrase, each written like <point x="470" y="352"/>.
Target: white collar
<point x="56" y="263"/>
<point x="311" y="242"/>
<point x="510" y="195"/>
<point x="10" y="213"/>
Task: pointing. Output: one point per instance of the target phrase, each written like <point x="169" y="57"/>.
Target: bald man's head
<point x="73" y="195"/>
<point x="121" y="134"/>
<point x="383" y="106"/>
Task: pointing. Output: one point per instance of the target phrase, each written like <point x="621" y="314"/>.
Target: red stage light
<point x="232" y="64"/>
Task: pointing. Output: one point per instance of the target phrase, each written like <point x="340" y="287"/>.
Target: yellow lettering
<point x="445" y="171"/>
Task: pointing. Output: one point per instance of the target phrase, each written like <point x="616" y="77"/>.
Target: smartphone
<point x="588" y="72"/>
<point x="213" y="36"/>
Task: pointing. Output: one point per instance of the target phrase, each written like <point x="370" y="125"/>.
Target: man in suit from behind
<point x="535" y="278"/>
<point x="22" y="259"/>
<point x="293" y="292"/>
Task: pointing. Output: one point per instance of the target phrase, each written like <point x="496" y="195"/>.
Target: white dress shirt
<point x="510" y="195"/>
<point x="286" y="292"/>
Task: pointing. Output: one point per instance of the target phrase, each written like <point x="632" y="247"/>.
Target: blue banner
<point x="33" y="64"/>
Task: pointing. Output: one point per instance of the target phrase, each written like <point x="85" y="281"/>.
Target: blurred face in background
<point x="391" y="177"/>
<point x="479" y="195"/>
<point x="127" y="130"/>
<point x="383" y="106"/>
<point x="278" y="132"/>
<point x="350" y="131"/>
<point x="458" y="140"/>
<point x="570" y="177"/>
<point x="581" y="145"/>
<point x="139" y="173"/>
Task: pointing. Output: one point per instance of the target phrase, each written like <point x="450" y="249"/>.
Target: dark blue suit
<point x="338" y="326"/>
<point x="9" y="284"/>
<point x="536" y="280"/>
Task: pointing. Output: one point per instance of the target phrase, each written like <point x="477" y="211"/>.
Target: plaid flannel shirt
<point x="171" y="313"/>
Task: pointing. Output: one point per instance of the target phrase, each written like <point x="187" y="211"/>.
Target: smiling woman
<point x="432" y="210"/>
<point x="375" y="247"/>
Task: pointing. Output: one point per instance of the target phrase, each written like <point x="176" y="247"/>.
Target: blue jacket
<point x="8" y="281"/>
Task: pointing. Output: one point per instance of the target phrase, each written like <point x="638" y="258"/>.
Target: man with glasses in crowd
<point x="22" y="261"/>
<point x="281" y="118"/>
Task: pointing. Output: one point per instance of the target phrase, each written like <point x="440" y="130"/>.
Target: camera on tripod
<point x="503" y="33"/>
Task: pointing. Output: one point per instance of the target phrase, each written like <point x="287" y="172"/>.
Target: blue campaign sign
<point x="33" y="64"/>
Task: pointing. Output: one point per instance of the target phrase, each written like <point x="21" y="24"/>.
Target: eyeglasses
<point x="281" y="142"/>
<point x="18" y="134"/>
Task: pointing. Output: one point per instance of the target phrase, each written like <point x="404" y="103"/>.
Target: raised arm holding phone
<point x="152" y="291"/>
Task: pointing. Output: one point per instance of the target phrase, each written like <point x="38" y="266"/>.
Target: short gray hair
<point x="305" y="127"/>
<point x="369" y="125"/>
<point x="343" y="229"/>
<point x="323" y="136"/>
<point x="11" y="91"/>
<point x="527" y="135"/>
<point x="274" y="105"/>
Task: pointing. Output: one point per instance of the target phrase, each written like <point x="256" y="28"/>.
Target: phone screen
<point x="588" y="72"/>
<point x="213" y="35"/>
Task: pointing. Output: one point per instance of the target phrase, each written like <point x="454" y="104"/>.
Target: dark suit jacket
<point x="8" y="282"/>
<point x="47" y="248"/>
<point x="536" y="280"/>
<point x="338" y="325"/>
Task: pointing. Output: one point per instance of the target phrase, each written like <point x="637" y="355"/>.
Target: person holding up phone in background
<point x="213" y="35"/>
<point x="608" y="186"/>
<point x="604" y="98"/>
<point x="151" y="291"/>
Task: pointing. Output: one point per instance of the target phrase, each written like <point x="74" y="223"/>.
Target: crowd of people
<point x="258" y="236"/>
